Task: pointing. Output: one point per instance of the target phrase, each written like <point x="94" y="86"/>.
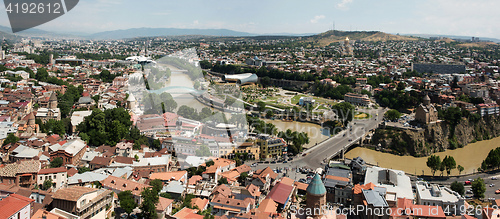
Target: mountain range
<point x="323" y="39"/>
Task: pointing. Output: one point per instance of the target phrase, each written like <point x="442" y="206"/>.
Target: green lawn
<point x="295" y="99"/>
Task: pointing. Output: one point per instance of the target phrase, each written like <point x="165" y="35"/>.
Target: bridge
<point x="178" y="90"/>
<point x="340" y="143"/>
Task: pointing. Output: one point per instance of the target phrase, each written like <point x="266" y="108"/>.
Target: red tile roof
<point x="52" y="170"/>
<point x="280" y="193"/>
<point x="13" y="204"/>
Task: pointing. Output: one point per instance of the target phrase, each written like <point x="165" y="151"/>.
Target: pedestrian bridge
<point x="178" y="90"/>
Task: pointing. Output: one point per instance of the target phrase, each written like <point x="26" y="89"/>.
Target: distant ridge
<point x="333" y="36"/>
<point x="151" y="32"/>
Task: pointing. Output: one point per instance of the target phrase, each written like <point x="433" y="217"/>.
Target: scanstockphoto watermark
<point x="363" y="210"/>
<point x="25" y="14"/>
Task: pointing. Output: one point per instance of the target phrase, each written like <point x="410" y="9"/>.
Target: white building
<point x="396" y="182"/>
<point x="435" y="195"/>
<point x="59" y="177"/>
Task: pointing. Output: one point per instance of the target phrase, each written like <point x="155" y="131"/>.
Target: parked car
<point x="494" y="178"/>
<point x="468" y="182"/>
<point x="498" y="191"/>
<point x="285" y="161"/>
<point x="491" y="185"/>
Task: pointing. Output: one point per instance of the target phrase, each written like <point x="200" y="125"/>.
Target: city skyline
<point x="443" y="17"/>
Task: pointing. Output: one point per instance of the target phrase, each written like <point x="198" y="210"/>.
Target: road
<point x="487" y="177"/>
<point x="315" y="157"/>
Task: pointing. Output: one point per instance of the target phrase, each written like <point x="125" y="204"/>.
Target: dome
<point x="316" y="187"/>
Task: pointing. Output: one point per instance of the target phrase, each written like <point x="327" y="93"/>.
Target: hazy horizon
<point x="440" y="17"/>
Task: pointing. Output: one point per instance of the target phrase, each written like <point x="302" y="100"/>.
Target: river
<point x="313" y="131"/>
<point x="470" y="157"/>
<point x="180" y="79"/>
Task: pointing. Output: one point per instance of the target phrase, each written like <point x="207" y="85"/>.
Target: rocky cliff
<point x="436" y="137"/>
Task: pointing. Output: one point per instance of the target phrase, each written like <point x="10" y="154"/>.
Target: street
<point x="315" y="157"/>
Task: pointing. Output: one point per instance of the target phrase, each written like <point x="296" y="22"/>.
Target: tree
<point x="261" y="106"/>
<point x="222" y="180"/>
<point x="47" y="184"/>
<point x="203" y="151"/>
<point x="344" y="111"/>
<point x="209" y="163"/>
<point x="442" y="168"/>
<point x="449" y="164"/>
<point x="243" y="177"/>
<point x="458" y="187"/>
<point x="56" y="162"/>
<point x="149" y="200"/>
<point x="156" y="184"/>
<point x="41" y="74"/>
<point x="392" y="114"/>
<point x="156" y="144"/>
<point x="11" y="138"/>
<point x="127" y="201"/>
<point x="478" y="188"/>
<point x="83" y="170"/>
<point x="434" y="162"/>
<point x="460" y="169"/>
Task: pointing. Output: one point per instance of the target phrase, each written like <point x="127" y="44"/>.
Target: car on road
<point x="350" y="139"/>
<point x="494" y="178"/>
<point x="498" y="191"/>
<point x="468" y="182"/>
<point x="491" y="185"/>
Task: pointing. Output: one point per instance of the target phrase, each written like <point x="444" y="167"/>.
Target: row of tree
<point x="448" y="163"/>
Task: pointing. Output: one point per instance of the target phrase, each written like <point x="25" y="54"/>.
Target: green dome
<point x="316" y="187"/>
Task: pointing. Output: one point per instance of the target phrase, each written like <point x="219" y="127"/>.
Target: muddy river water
<point x="470" y="157"/>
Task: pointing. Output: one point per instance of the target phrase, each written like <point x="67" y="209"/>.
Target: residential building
<point x="270" y="147"/>
<point x="16" y="207"/>
<point x="21" y="173"/>
<point x="82" y="201"/>
<point x="249" y="148"/>
<point x="124" y="148"/>
<point x="436" y="195"/>
<point x="117" y="185"/>
<point x="488" y="109"/>
<point x="58" y="176"/>
<point x="167" y="177"/>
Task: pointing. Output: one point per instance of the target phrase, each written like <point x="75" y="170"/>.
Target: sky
<point x="446" y="17"/>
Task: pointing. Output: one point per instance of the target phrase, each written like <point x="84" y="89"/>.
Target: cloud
<point x="317" y="18"/>
<point x="343" y="4"/>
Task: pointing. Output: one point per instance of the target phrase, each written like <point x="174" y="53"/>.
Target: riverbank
<point x="314" y="131"/>
<point x="470" y="157"/>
